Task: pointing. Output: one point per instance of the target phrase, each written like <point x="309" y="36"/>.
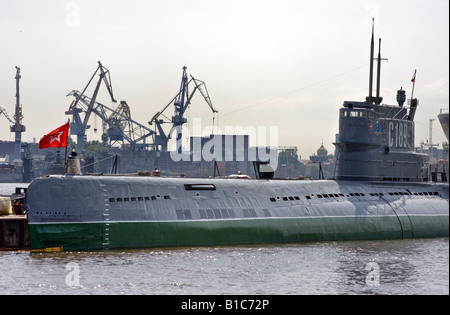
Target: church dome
<point x="322" y="151"/>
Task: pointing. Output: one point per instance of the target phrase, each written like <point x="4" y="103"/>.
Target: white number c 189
<point x="398" y="135"/>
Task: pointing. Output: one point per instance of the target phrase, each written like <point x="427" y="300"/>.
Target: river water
<point x="418" y="266"/>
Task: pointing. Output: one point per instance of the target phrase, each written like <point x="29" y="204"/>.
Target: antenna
<point x="413" y="102"/>
<point x="378" y="99"/>
<point x="413" y="80"/>
<point x="370" y="98"/>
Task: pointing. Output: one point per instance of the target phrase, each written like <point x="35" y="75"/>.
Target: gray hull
<point x="104" y="212"/>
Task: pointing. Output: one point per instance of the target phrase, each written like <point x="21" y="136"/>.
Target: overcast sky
<point x="284" y="63"/>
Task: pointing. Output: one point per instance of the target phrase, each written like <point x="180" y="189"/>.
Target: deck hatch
<point x="199" y="187"/>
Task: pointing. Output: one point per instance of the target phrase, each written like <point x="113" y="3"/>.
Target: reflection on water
<point x="405" y="267"/>
<point x="393" y="262"/>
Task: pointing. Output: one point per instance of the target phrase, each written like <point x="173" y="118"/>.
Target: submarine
<point x="381" y="191"/>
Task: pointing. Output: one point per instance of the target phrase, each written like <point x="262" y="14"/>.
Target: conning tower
<point x="376" y="141"/>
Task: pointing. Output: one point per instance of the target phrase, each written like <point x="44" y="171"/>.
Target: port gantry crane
<point x="117" y="123"/>
<point x="181" y="101"/>
<point x="79" y="126"/>
<point x="16" y="126"/>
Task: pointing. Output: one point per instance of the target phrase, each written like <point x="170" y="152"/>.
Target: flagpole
<point x="65" y="156"/>
<point x="414" y="83"/>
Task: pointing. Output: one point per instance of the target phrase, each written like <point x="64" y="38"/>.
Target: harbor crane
<point x="117" y="123"/>
<point x="79" y="126"/>
<point x="181" y="101"/>
<point x="17" y="126"/>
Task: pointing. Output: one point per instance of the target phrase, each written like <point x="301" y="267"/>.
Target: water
<point x="354" y="267"/>
<point x="405" y="267"/>
<point x="10" y="188"/>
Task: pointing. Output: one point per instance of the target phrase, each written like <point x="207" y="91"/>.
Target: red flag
<point x="56" y="138"/>
<point x="414" y="77"/>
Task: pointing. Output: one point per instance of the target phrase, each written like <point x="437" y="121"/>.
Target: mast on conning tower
<point x="377" y="99"/>
<point x="370" y="97"/>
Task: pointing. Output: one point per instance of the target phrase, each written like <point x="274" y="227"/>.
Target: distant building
<point x="227" y="148"/>
<point x="322" y="155"/>
<point x="231" y="152"/>
<point x="7" y="149"/>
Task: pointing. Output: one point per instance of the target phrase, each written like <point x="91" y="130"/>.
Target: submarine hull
<point x="111" y="212"/>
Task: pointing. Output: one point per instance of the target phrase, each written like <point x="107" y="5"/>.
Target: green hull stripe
<point x="117" y="235"/>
